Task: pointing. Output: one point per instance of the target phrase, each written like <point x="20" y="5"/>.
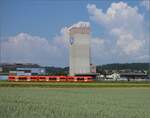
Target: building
<point x="79" y="49"/>
<point x="92" y="68"/>
<point x="30" y="71"/>
<point x="1" y="69"/>
<point x="130" y="76"/>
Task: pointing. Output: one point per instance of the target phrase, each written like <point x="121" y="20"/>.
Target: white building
<point x="79" y="61"/>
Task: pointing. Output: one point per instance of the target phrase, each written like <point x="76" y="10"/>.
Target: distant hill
<point x="118" y="66"/>
<point x="65" y="71"/>
<point x="57" y="70"/>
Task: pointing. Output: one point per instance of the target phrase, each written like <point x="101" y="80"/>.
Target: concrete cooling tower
<point x="79" y="61"/>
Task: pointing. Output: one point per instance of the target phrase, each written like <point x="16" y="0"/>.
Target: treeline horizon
<point x="65" y="70"/>
<point x="121" y="66"/>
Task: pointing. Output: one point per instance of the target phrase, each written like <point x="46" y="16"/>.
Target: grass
<point x="73" y="85"/>
<point x="35" y="102"/>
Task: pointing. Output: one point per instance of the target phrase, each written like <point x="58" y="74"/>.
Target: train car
<point x="70" y="79"/>
<point x="88" y="79"/>
<point x="83" y="78"/>
<point x="42" y="78"/>
<point x="33" y="78"/>
<point x="21" y="78"/>
<point x="62" y="78"/>
<point x="11" y="78"/>
<point x="51" y="78"/>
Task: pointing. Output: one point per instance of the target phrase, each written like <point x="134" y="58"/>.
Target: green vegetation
<point x="73" y="85"/>
<point x="74" y="102"/>
<point x="57" y="70"/>
<point x="118" y="66"/>
<point x="65" y="71"/>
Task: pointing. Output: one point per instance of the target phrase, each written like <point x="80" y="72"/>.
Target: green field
<point x="37" y="102"/>
<point x="73" y="85"/>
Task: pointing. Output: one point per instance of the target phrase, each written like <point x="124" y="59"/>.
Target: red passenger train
<point x="52" y="78"/>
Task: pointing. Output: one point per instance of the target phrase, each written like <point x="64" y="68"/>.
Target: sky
<point x="36" y="31"/>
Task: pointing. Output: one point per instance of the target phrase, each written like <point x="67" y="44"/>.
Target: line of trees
<point x="118" y="66"/>
<point x="65" y="70"/>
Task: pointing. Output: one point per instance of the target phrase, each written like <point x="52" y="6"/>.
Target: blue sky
<point x="46" y="18"/>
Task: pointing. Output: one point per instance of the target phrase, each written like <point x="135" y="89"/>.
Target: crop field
<point x="73" y="84"/>
<point x="37" y="102"/>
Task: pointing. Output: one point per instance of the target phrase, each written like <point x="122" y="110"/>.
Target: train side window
<point x="89" y="78"/>
<point x="42" y="78"/>
<point x="71" y="78"/>
<point x="32" y="77"/>
<point x="81" y="78"/>
<point x="52" y="78"/>
<point x="62" y="78"/>
<point x="22" y="78"/>
<point x="11" y="77"/>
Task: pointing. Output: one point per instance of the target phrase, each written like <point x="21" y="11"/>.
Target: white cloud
<point x="116" y="15"/>
<point x="126" y="41"/>
<point x="97" y="41"/>
<point x="25" y="47"/>
<point x="124" y="24"/>
<point x="122" y="21"/>
<point x="97" y="47"/>
<point x="62" y="38"/>
<point x="146" y="4"/>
